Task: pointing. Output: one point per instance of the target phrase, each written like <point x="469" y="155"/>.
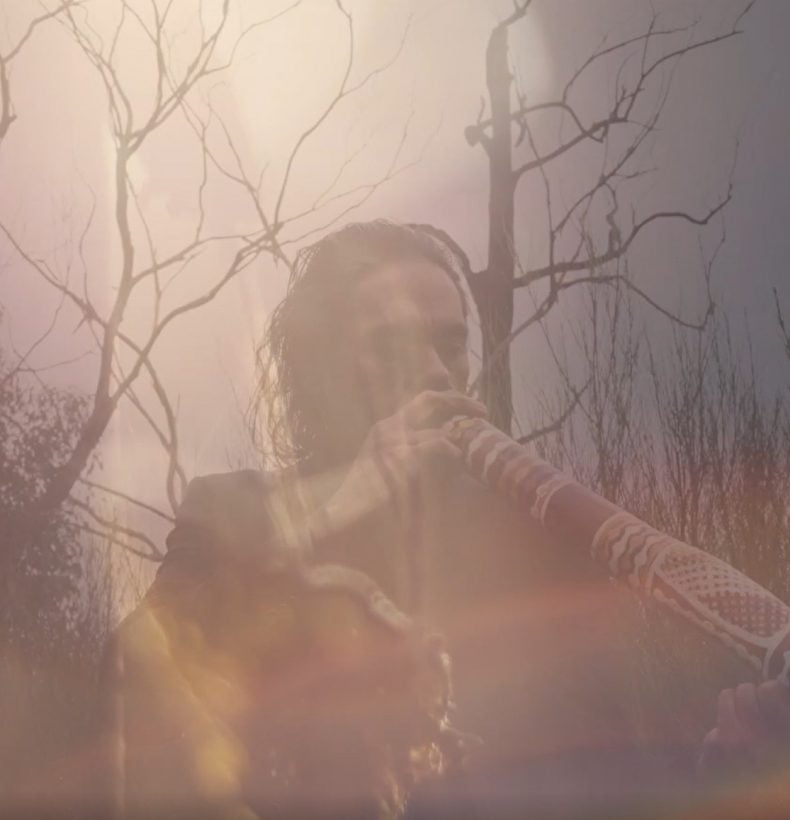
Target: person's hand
<point x="411" y="442"/>
<point x="752" y="729"/>
<point x="398" y="451"/>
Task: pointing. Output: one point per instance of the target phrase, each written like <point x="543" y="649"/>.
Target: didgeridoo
<point x="703" y="589"/>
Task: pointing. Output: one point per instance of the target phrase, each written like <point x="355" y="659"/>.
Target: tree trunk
<point x="494" y="291"/>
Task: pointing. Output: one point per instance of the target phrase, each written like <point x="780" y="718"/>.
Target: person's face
<point x="408" y="334"/>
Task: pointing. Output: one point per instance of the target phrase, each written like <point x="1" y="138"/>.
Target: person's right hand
<point x="411" y="442"/>
<point x="398" y="451"/>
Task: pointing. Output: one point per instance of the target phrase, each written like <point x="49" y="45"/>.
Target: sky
<point x="56" y="171"/>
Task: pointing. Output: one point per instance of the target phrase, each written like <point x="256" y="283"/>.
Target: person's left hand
<point x="752" y="728"/>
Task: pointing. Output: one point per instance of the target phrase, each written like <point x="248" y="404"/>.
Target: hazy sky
<point x="55" y="166"/>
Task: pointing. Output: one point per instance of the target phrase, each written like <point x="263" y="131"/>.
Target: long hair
<point x="296" y="358"/>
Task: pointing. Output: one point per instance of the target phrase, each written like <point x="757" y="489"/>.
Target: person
<point x="361" y="364"/>
<point x="195" y="719"/>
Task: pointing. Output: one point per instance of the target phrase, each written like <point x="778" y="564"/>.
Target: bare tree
<point x="585" y="237"/>
<point x="177" y="58"/>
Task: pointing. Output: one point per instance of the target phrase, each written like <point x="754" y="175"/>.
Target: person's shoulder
<point x="229" y="509"/>
<point x="223" y="518"/>
<point x="223" y="487"/>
